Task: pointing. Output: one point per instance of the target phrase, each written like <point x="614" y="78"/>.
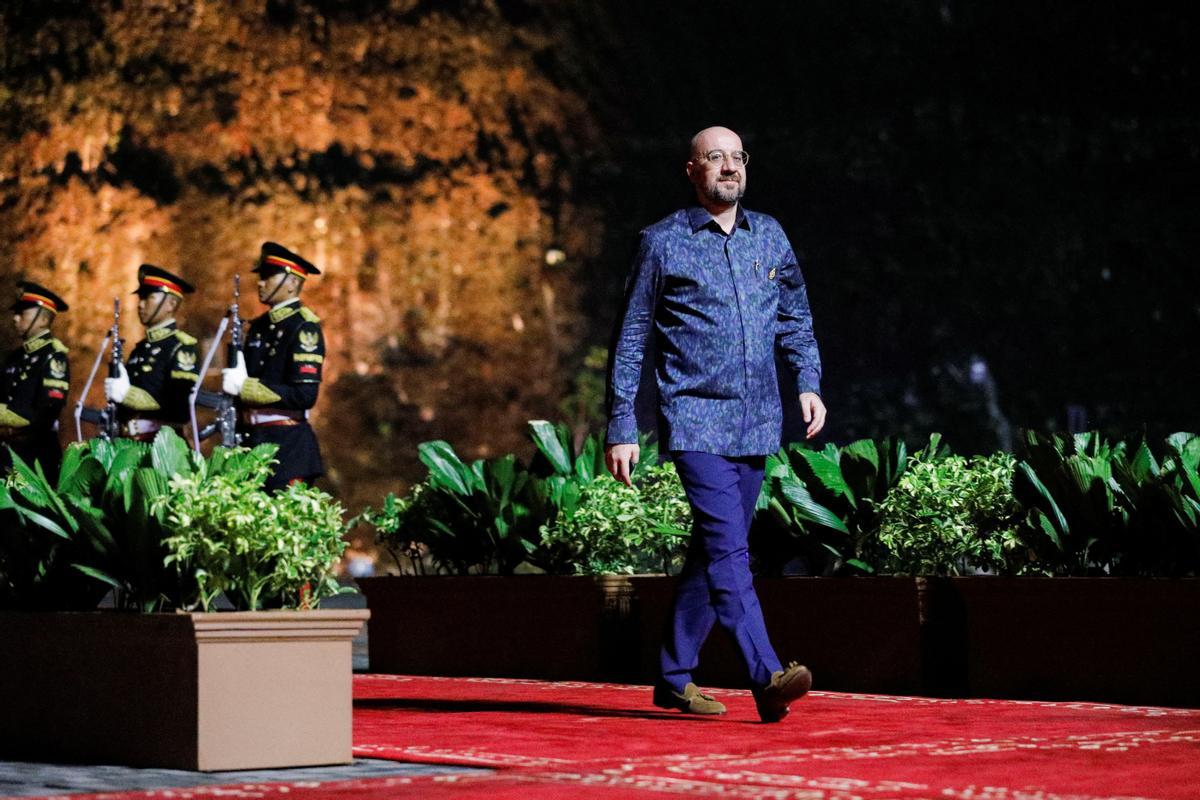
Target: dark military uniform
<point x="165" y="366"/>
<point x="33" y="389"/>
<point x="285" y="355"/>
<point x="162" y="368"/>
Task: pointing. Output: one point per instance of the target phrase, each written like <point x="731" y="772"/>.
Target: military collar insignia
<point x="37" y="342"/>
<point x="162" y="330"/>
<point x="284" y="310"/>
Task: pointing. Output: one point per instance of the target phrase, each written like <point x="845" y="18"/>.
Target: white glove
<point x="233" y="378"/>
<point x="116" y="388"/>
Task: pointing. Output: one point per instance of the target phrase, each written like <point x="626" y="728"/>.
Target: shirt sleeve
<point x="794" y="329"/>
<point x="642" y="291"/>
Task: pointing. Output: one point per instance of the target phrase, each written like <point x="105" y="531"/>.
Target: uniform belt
<point x="275" y="416"/>
<point x="141" y="427"/>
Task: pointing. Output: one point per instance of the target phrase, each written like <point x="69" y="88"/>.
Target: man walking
<point x="721" y="290"/>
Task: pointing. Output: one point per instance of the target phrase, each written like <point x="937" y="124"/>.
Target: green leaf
<point x="92" y="530"/>
<point x="169" y="454"/>
<point x="82" y="478"/>
<point x="1059" y="521"/>
<point x="1047" y="527"/>
<point x="821" y="467"/>
<point x="43" y="522"/>
<point x="446" y="469"/>
<point x="552" y="444"/>
<point x="99" y="575"/>
<point x="73" y="456"/>
<point x="809" y="509"/>
<point x="590" y="461"/>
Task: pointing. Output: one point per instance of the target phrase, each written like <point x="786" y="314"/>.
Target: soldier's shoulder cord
<point x="59" y="347"/>
<point x="185" y="338"/>
<point x="308" y="314"/>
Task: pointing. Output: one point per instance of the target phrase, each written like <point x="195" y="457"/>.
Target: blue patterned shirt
<point x="719" y="304"/>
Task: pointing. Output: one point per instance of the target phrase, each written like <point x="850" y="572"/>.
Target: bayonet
<point x="112" y="427"/>
<point x="94" y="416"/>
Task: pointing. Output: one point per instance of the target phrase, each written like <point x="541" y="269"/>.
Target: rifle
<point x="94" y="416"/>
<point x="214" y="400"/>
<point x="225" y="405"/>
<point x="112" y="427"/>
<point x="235" y="322"/>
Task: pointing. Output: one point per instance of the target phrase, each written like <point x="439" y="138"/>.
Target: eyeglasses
<point x="740" y="158"/>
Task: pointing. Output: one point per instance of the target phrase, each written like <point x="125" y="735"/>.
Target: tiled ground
<point x="25" y="779"/>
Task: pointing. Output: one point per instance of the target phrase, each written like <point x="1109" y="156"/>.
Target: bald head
<point x="706" y="140"/>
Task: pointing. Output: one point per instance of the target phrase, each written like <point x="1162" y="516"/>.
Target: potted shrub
<point x="885" y="573"/>
<point x="489" y="588"/>
<point x="1118" y="529"/>
<point x="574" y="520"/>
<point x="162" y="680"/>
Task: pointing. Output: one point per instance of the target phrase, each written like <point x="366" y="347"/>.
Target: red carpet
<point x="568" y="740"/>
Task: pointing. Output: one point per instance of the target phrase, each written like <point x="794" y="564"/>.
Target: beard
<point x="722" y="192"/>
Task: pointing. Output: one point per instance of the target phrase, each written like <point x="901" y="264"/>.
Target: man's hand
<point x="116" y="389"/>
<point x="620" y="459"/>
<point x="233" y="378"/>
<point x="814" y="413"/>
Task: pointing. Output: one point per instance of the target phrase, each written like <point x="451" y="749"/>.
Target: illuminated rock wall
<point x="417" y="156"/>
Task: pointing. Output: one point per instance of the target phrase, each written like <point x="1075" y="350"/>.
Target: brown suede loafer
<point x="692" y="701"/>
<point x="785" y="686"/>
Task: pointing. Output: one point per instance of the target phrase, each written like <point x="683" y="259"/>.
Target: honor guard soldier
<point x="277" y="380"/>
<point x="153" y="387"/>
<point x="34" y="383"/>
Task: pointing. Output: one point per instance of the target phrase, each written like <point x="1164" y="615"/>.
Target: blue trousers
<point x="716" y="584"/>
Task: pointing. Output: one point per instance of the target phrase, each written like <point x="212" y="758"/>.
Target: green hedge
<point x="164" y="528"/>
<point x="1059" y="506"/>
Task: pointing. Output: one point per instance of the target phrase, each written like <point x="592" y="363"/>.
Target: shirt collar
<point x="698" y="217"/>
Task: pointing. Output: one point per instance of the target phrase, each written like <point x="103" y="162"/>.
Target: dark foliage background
<point x="1015" y="183"/>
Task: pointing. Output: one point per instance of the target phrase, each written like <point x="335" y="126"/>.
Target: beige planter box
<point x="215" y="691"/>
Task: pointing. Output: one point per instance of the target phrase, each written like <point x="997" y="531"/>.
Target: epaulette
<point x="185" y="338"/>
<point x="59" y="347"/>
<point x="308" y="314"/>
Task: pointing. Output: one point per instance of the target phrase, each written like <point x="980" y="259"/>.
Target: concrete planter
<point x="520" y="626"/>
<point x="203" y="691"/>
<point x="1123" y="640"/>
